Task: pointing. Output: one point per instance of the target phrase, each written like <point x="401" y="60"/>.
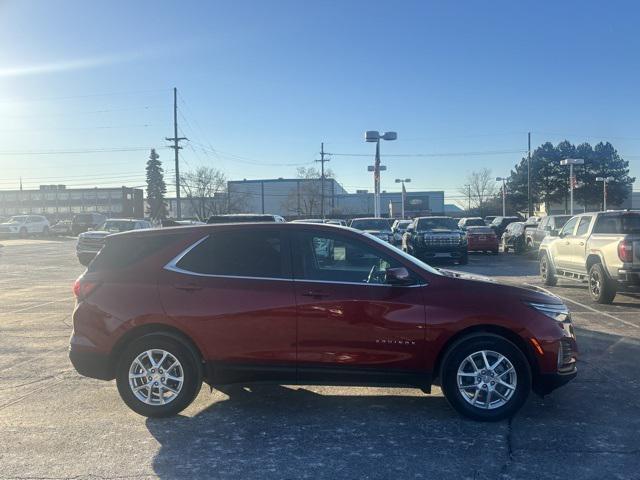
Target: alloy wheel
<point x="487" y="379"/>
<point x="156" y="377"/>
<point x="595" y="283"/>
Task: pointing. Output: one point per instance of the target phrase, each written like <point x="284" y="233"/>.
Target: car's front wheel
<point x="158" y="375"/>
<point x="485" y="377"/>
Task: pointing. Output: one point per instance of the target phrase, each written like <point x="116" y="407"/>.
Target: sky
<point x="86" y="87"/>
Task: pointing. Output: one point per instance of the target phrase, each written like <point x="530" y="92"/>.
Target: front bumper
<point x="440" y="251"/>
<point x="548" y="382"/>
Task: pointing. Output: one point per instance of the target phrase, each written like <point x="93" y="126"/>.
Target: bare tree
<point x="479" y="189"/>
<point x="306" y="200"/>
<point x="205" y="188"/>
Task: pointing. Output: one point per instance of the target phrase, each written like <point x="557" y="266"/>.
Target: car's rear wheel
<point x="486" y="377"/>
<point x="546" y="271"/>
<point x="158" y="375"/>
<point x="601" y="288"/>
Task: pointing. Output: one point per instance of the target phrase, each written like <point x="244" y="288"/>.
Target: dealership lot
<point x="56" y="424"/>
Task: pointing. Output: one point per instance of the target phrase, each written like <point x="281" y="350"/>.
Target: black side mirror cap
<point x="398" y="276"/>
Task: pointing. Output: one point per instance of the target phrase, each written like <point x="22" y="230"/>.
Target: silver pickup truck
<point x="601" y="249"/>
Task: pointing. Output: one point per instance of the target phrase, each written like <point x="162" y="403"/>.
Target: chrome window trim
<point x="173" y="267"/>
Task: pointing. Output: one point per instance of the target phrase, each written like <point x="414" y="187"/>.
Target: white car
<point x="24" y="225"/>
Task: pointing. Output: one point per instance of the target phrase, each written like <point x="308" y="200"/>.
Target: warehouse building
<point x="58" y="202"/>
<point x="303" y="197"/>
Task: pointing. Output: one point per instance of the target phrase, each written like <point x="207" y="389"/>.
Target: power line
<point x="447" y="154"/>
<point x="74" y="151"/>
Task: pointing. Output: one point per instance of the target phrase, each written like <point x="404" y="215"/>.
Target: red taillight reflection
<point x="83" y="288"/>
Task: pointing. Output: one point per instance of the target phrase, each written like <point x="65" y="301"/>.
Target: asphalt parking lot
<point x="56" y="424"/>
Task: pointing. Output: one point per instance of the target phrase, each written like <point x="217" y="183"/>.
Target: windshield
<point x="561" y="220"/>
<point x="402" y="224"/>
<point x="370" y="224"/>
<point x="478" y="222"/>
<point x="406" y="256"/>
<point x="437" y="223"/>
<point x="20" y="219"/>
<point x="115" y="226"/>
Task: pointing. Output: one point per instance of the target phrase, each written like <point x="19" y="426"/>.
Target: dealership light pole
<point x="604" y="181"/>
<point x="572" y="181"/>
<point x="375" y="136"/>
<point x="504" y="193"/>
<point x="404" y="191"/>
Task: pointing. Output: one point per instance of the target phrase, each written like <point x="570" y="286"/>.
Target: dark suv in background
<point x="499" y="224"/>
<point x="83" y="222"/>
<point x="436" y="238"/>
<point x="162" y="310"/>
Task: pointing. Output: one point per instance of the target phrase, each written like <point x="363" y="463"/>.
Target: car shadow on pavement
<point x="280" y="432"/>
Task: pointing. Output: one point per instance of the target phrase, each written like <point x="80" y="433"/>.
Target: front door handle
<point x="582" y="244"/>
<point x="188" y="287"/>
<point x="315" y="294"/>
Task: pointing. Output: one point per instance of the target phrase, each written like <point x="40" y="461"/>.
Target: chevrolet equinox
<point x="163" y="310"/>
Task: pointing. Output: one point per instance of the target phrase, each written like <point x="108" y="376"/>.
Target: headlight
<point x="557" y="312"/>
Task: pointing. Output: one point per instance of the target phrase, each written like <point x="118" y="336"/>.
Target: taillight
<point x="83" y="288"/>
<point x="625" y="250"/>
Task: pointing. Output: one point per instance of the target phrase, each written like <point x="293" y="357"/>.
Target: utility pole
<point x="176" y="147"/>
<point x="572" y="181"/>
<point x="529" y="206"/>
<point x="322" y="160"/>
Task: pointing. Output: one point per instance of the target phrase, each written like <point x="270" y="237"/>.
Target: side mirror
<point x="398" y="276"/>
<point x="560" y="234"/>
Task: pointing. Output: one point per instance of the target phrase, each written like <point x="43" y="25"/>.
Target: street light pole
<point x="571" y="162"/>
<point x="375" y="136"/>
<point x="504" y="193"/>
<point x="404" y="192"/>
<point x="604" y="181"/>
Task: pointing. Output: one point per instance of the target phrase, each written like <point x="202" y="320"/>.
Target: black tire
<point x="191" y="370"/>
<point x="467" y="346"/>
<point x="546" y="271"/>
<point x="601" y="288"/>
<point x="464" y="259"/>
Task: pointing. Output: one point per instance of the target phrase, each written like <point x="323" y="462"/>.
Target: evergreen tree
<point x="550" y="180"/>
<point x="156" y="188"/>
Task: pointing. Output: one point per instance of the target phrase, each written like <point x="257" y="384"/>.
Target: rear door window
<point x="247" y="253"/>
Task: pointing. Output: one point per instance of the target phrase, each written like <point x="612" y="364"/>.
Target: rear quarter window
<point x="618" y="225"/>
<point x="121" y="252"/>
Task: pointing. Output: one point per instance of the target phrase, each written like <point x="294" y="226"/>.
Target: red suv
<point x="162" y="310"/>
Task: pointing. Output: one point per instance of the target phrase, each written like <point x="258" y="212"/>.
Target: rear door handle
<point x="188" y="287"/>
<point x="315" y="294"/>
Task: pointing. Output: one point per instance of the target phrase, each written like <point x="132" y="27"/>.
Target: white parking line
<point x="34" y="306"/>
<point x="629" y="324"/>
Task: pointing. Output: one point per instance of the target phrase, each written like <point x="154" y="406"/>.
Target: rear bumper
<point x="629" y="277"/>
<point x="91" y="364"/>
